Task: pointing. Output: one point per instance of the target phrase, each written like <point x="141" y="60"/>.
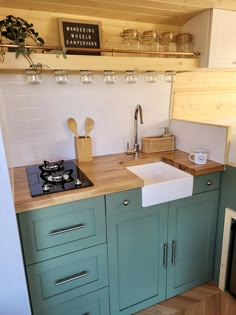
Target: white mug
<point x="199" y="156"/>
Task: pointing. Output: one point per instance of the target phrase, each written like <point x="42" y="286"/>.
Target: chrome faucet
<point x="135" y="150"/>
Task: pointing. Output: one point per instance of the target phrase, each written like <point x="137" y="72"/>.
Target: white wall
<point x="14" y="296"/>
<point x="191" y="136"/>
<point x="36" y="115"/>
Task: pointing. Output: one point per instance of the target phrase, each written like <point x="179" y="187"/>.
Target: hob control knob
<point x="46" y="187"/>
<point x="78" y="182"/>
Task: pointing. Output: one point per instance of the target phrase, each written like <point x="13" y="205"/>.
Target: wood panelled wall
<point x="204" y="96"/>
<point x="47" y="26"/>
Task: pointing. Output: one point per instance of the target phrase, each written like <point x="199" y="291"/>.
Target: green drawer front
<point x="124" y="201"/>
<point x="206" y="182"/>
<point x="64" y="278"/>
<point x="57" y="230"/>
<point x="96" y="303"/>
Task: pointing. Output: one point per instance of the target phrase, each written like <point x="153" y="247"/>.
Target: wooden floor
<point x="204" y="300"/>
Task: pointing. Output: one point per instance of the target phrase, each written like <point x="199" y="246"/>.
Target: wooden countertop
<point x="108" y="174"/>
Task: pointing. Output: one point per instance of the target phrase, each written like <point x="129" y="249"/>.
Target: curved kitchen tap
<point x="138" y="111"/>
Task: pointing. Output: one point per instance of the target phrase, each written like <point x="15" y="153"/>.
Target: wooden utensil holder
<point x="83" y="149"/>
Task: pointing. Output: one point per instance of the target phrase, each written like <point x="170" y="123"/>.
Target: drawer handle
<point x="125" y="202"/>
<point x="71" y="278"/>
<point x="173" y="252"/>
<point x="209" y="183"/>
<point x="165" y="255"/>
<point x="68" y="229"/>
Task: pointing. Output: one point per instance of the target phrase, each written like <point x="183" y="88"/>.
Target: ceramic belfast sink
<point x="162" y="182"/>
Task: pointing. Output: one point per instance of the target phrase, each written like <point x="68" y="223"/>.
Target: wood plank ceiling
<point x="170" y="12"/>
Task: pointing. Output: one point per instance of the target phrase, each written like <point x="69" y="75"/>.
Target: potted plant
<point x="18" y="30"/>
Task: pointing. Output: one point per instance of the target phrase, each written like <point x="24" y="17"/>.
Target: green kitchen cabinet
<point x="108" y="255"/>
<point x="160" y="251"/>
<point x="136" y="252"/>
<point x="227" y="199"/>
<point x="65" y="254"/>
<point x="191" y="241"/>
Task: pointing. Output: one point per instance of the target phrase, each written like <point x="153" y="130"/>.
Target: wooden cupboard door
<point x="222" y="44"/>
<point x="191" y="241"/>
<point x="137" y="274"/>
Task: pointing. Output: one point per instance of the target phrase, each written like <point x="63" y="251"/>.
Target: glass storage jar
<point x="32" y="77"/>
<point x="150" y="42"/>
<point x="184" y="43"/>
<point x="130" y="40"/>
<point x="168" y="43"/>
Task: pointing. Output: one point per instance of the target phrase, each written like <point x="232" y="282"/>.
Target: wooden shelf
<point x="99" y="63"/>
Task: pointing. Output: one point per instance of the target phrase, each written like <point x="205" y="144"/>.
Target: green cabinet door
<point x="136" y="257"/>
<point x="62" y="229"/>
<point x="95" y="303"/>
<point x="191" y="241"/>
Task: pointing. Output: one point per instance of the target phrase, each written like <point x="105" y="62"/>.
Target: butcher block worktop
<point x="108" y="174"/>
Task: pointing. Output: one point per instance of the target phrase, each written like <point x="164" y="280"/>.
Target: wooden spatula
<point x="89" y="124"/>
<point x="72" y="124"/>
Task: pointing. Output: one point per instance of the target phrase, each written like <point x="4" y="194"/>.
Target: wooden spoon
<point x="89" y="124"/>
<point x="73" y="127"/>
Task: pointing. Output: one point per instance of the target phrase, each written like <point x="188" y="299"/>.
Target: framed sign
<point x="80" y="34"/>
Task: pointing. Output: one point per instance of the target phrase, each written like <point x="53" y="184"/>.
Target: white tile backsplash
<point x="36" y="115"/>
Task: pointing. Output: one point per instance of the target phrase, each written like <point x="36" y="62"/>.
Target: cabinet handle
<point x="165" y="255"/>
<point x="173" y="252"/>
<point x="209" y="183"/>
<point x="87" y="313"/>
<point x="67" y="229"/>
<point x="125" y="202"/>
<point x="71" y="278"/>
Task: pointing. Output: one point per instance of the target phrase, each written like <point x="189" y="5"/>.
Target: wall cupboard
<point x="148" y="254"/>
<point x="213" y="37"/>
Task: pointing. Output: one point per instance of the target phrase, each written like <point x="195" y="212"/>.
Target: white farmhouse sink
<point x="162" y="182"/>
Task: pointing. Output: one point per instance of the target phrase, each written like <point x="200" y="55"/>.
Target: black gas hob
<point x="51" y="177"/>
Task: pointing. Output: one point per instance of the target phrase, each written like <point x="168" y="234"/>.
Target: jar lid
<point x="168" y="36"/>
<point x="184" y="37"/>
<point x="149" y="35"/>
<point x="130" y="32"/>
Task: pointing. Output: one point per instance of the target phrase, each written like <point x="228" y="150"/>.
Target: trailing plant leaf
<point x="18" y="30"/>
<point x="38" y="67"/>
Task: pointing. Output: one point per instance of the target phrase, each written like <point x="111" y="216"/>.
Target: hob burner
<point x="57" y="177"/>
<point x="52" y="166"/>
<point x="51" y="177"/>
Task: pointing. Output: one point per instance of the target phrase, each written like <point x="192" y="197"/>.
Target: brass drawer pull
<point x="125" y="202"/>
<point x="71" y="278"/>
<point x="209" y="183"/>
<point x="68" y="229"/>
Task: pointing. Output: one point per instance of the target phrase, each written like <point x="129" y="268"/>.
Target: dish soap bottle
<point x="166" y="132"/>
